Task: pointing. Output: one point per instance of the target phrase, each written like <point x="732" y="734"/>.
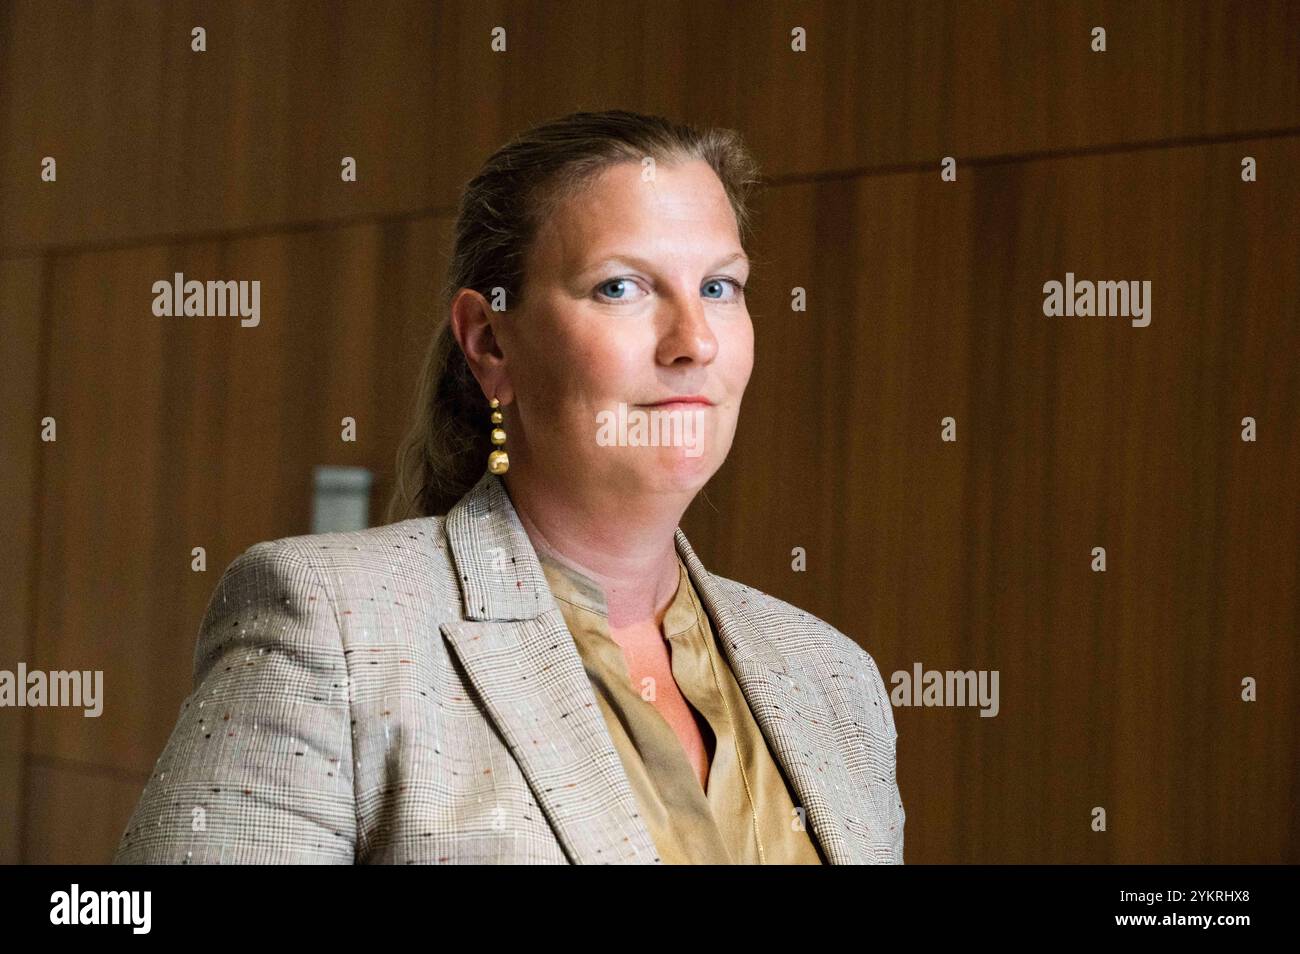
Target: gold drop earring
<point x="498" y="460"/>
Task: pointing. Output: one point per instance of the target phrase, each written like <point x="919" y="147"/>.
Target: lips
<point x="690" y="401"/>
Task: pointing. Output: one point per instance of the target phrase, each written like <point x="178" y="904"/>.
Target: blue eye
<point x="740" y="289"/>
<point x="616" y="281"/>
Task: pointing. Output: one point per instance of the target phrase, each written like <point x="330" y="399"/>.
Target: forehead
<point x="679" y="214"/>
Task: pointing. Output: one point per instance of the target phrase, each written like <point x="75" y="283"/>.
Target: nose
<point x="686" y="333"/>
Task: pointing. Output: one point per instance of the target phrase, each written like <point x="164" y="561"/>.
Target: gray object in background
<point x="341" y="499"/>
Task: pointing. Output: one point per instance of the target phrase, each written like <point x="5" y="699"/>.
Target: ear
<point x="473" y="323"/>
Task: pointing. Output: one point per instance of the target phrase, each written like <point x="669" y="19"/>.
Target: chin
<point x="671" y="470"/>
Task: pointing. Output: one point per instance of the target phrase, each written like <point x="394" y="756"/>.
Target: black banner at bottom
<point x="210" y="904"/>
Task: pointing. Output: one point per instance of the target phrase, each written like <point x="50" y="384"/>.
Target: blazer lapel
<point x="531" y="680"/>
<point x="522" y="661"/>
<point x="792" y="712"/>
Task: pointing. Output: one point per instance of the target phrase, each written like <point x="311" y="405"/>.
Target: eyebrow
<point x="644" y="265"/>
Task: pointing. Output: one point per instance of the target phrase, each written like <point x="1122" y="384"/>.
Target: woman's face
<point x="633" y="295"/>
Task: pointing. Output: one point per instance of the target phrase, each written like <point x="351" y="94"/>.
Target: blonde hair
<point x="444" y="453"/>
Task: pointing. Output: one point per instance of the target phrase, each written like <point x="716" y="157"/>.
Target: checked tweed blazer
<point x="410" y="694"/>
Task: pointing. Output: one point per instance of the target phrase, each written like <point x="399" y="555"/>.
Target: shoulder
<point x="408" y="544"/>
<point x="403" y="564"/>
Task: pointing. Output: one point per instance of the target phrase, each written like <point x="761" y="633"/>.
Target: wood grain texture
<point x="22" y="291"/>
<point x="96" y="799"/>
<point x="155" y="140"/>
<point x="186" y="432"/>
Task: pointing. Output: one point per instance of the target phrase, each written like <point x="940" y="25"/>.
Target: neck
<point x="630" y="552"/>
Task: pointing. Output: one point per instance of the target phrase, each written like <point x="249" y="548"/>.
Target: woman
<point x="532" y="665"/>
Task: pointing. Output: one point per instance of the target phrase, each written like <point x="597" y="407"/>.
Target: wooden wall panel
<point x="98" y="800"/>
<point x="22" y="287"/>
<point x="154" y="140"/>
<point x="195" y="431"/>
<point x="1118" y="689"/>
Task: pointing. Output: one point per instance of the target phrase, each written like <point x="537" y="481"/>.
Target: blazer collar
<point x="523" y="663"/>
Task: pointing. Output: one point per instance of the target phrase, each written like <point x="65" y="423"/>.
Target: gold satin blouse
<point x="746" y="815"/>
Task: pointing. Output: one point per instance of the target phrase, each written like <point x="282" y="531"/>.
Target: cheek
<point x="736" y="353"/>
<point x="569" y="360"/>
<point x="602" y="365"/>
